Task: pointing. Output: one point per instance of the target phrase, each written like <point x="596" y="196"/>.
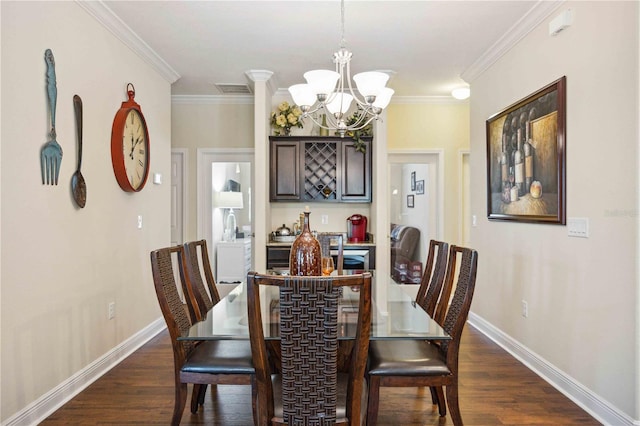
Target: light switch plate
<point x="578" y="227"/>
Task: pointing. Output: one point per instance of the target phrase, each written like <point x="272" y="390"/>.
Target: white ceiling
<point x="429" y="45"/>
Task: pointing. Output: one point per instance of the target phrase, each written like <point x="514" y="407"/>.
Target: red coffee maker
<point x="357" y="228"/>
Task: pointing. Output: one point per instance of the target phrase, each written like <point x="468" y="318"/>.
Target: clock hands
<point x="133" y="145"/>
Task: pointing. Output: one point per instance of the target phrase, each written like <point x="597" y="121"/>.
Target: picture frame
<point x="410" y="201"/>
<point x="420" y="187"/>
<point x="526" y="156"/>
<point x="413" y="181"/>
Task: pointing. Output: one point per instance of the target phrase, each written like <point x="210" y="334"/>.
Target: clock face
<point x="134" y="148"/>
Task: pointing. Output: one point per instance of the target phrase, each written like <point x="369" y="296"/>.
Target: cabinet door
<point x="285" y="171"/>
<point x="356" y="173"/>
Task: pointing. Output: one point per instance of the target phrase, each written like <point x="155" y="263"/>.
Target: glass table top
<point x="399" y="318"/>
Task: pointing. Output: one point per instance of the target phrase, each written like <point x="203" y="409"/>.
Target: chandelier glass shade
<point x="332" y="92"/>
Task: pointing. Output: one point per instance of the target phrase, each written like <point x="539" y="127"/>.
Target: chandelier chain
<point x="343" y="42"/>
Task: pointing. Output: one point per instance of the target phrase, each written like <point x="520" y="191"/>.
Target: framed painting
<point x="413" y="181"/>
<point x="410" y="203"/>
<point x="420" y="187"/>
<point x="526" y="148"/>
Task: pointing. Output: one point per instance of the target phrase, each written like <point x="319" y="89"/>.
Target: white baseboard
<point x="593" y="404"/>
<point x="40" y="409"/>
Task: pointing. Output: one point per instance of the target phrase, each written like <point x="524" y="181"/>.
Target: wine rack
<point x="320" y="171"/>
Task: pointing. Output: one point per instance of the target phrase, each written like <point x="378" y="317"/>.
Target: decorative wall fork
<point x="51" y="154"/>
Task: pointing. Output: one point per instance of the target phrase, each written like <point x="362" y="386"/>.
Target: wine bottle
<point x="528" y="161"/>
<point x="518" y="161"/>
<point x="504" y="162"/>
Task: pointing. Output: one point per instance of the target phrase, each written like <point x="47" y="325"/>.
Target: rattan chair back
<point x="308" y="309"/>
<point x="163" y="264"/>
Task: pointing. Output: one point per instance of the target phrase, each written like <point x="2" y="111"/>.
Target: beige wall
<point x="582" y="293"/>
<point x="434" y="125"/>
<point x="62" y="265"/>
<point x="415" y="126"/>
<point x="207" y="124"/>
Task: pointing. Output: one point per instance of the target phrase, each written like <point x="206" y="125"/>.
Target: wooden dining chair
<point x="433" y="276"/>
<point x="309" y="389"/>
<point x="414" y="363"/>
<point x="201" y="363"/>
<point x="198" y="272"/>
<point x="325" y="239"/>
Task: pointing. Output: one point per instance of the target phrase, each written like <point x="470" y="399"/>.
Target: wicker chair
<point x="196" y="264"/>
<point x="200" y="363"/>
<point x="325" y="239"/>
<point x="309" y="389"/>
<point x="412" y="363"/>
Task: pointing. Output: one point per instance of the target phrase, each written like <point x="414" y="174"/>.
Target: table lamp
<point x="228" y="200"/>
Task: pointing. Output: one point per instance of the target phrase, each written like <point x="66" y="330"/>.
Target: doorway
<point x="224" y="170"/>
<point x="416" y="194"/>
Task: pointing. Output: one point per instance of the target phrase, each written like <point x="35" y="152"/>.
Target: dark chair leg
<point x="442" y="404"/>
<point x="254" y="400"/>
<point x="197" y="396"/>
<point x="434" y="395"/>
<point x="374" y="399"/>
<point x="202" y="393"/>
<point x="179" y="403"/>
<point x="452" y="401"/>
<point x="194" y="398"/>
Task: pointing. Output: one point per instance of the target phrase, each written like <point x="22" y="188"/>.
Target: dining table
<point x="397" y="317"/>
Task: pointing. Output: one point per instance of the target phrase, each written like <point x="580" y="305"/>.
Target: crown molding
<point x="213" y="99"/>
<point x="436" y="100"/>
<point x="126" y="35"/>
<point x="538" y="13"/>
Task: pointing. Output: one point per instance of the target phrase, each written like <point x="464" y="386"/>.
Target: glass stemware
<point x="327" y="265"/>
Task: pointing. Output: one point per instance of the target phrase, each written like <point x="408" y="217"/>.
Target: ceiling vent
<point x="233" y="89"/>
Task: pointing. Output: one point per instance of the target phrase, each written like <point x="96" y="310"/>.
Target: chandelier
<point x="326" y="90"/>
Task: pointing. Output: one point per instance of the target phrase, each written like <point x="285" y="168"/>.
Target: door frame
<point x="464" y="196"/>
<point x="183" y="154"/>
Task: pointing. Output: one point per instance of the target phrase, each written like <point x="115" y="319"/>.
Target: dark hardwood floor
<point x="495" y="389"/>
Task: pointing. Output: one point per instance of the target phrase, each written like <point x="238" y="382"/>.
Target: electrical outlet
<point x="112" y="310"/>
<point x="525" y="309"/>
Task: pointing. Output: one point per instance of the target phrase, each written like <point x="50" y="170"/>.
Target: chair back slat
<point x="309" y="346"/>
<point x="433" y="276"/>
<point x="325" y="239"/>
<point x="196" y="263"/>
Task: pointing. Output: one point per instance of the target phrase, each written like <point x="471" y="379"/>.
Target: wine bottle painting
<point x="525" y="158"/>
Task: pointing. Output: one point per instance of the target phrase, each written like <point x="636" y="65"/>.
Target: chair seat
<point x="341" y="403"/>
<point x="405" y="358"/>
<point x="220" y="357"/>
